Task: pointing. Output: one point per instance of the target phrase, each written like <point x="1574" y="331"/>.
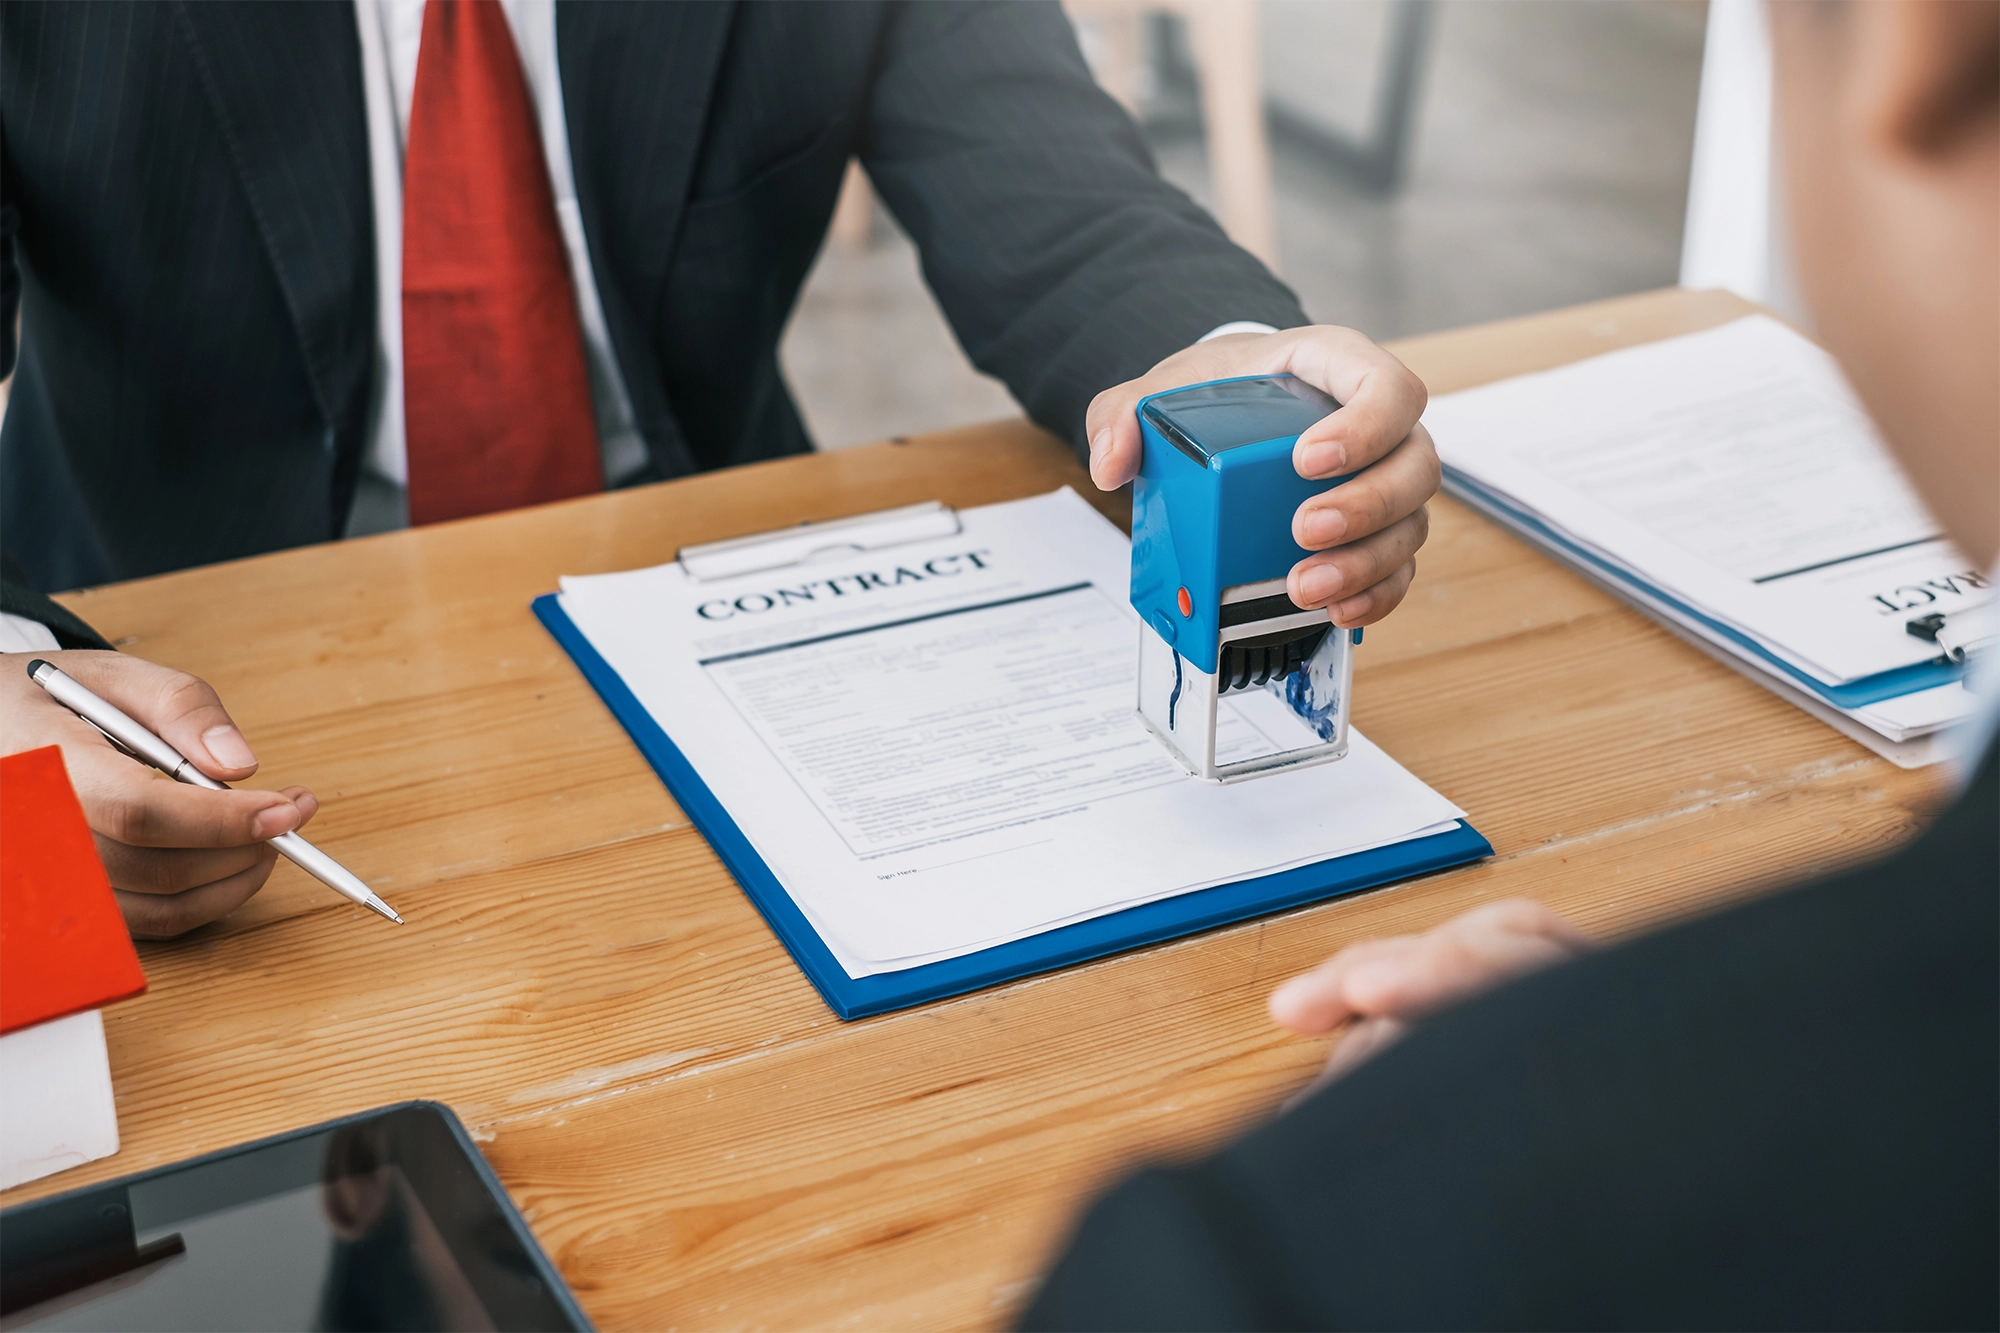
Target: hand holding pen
<point x="178" y="855"/>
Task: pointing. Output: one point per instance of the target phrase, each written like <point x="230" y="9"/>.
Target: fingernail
<point x="1320" y="583"/>
<point x="1100" y="441"/>
<point x="1322" y="458"/>
<point x="1324" y="527"/>
<point x="228" y="747"/>
<point x="1352" y="610"/>
<point x="275" y="820"/>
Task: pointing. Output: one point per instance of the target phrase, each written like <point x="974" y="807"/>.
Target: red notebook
<point x="63" y="946"/>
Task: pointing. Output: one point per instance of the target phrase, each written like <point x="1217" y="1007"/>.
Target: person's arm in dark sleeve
<point x="1161" y="1252"/>
<point x="1063" y="261"/>
<point x="10" y="276"/>
<point x="1783" y="1115"/>
<point x="18" y="597"/>
<point x="1072" y="272"/>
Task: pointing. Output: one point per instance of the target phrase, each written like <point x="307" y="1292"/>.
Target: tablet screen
<point x="384" y="1221"/>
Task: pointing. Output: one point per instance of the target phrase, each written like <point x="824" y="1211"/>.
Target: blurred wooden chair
<point x="854" y="211"/>
<point x="1224" y="35"/>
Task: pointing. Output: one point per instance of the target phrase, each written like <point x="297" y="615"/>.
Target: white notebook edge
<point x="57" y="1105"/>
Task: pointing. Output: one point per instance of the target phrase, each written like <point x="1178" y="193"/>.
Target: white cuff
<point x="1237" y="326"/>
<point x="18" y="634"/>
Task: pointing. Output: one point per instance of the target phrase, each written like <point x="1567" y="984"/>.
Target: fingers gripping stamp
<point x="1211" y="546"/>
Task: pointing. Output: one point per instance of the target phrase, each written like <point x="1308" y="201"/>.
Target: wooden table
<point x="695" y="1138"/>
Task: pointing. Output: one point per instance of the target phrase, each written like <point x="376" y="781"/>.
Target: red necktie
<point x="496" y="399"/>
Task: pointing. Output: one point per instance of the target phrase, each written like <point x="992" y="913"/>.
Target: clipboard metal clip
<point x="808" y="542"/>
<point x="1962" y="635"/>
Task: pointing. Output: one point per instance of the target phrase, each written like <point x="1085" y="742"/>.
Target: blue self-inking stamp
<point x="1211" y="546"/>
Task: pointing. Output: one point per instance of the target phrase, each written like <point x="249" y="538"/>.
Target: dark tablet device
<point x="385" y="1220"/>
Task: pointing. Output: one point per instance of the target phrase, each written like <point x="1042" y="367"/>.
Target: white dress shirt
<point x="18" y="634"/>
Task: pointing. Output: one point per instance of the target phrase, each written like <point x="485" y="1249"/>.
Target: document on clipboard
<point x="922" y="725"/>
<point x="1730" y="485"/>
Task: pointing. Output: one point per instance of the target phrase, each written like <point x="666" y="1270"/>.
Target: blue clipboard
<point x="858" y="997"/>
<point x="1891" y="684"/>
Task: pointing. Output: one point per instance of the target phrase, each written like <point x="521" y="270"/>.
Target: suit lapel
<point x="284" y="81"/>
<point x="636" y="82"/>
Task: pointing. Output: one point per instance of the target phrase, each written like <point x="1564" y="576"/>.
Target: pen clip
<point x="117" y="744"/>
<point x="807" y="542"/>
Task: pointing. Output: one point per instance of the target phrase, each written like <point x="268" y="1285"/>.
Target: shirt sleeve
<point x="18" y="634"/>
<point x="1237" y="326"/>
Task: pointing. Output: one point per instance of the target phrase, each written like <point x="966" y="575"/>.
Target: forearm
<point x="1063" y="261"/>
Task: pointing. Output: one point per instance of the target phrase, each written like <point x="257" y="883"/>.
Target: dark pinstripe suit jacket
<point x="187" y="232"/>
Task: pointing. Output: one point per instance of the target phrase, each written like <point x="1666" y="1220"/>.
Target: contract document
<point x="932" y="742"/>
<point x="1729" y="482"/>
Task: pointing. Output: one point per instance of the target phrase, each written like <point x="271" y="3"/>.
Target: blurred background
<point x="1406" y="165"/>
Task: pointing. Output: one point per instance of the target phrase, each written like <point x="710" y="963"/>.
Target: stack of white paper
<point x="933" y="744"/>
<point x="1728" y="483"/>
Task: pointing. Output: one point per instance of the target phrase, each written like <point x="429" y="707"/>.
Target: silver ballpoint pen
<point x="142" y="744"/>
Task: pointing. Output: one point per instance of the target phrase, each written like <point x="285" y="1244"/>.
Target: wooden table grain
<point x="698" y="1142"/>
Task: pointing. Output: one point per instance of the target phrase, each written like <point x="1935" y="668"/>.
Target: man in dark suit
<point x="291" y="271"/>
<point x="1785" y="1115"/>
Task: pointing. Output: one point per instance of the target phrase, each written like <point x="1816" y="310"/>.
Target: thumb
<point x="182" y="709"/>
<point x="1112" y="425"/>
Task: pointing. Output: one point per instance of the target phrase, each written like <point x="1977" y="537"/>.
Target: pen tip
<point x="375" y="904"/>
<point x="36" y="665"/>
